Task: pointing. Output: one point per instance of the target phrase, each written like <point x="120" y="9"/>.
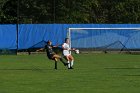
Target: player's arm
<point x="57" y="45"/>
<point x="41" y="49"/>
<point x="70" y="49"/>
<point x="64" y="47"/>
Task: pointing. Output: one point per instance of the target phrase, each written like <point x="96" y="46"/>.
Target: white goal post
<point x="115" y="28"/>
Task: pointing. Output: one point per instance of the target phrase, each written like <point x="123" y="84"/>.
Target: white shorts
<point x="67" y="54"/>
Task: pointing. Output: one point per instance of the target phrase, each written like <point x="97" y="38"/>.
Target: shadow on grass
<point x="28" y="69"/>
<point x="127" y="68"/>
<point x="133" y="75"/>
<point x="122" y="68"/>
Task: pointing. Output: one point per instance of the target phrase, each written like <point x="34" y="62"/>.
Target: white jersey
<point x="67" y="47"/>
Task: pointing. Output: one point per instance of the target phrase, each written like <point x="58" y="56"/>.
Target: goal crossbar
<point x="117" y="28"/>
<point x="105" y="28"/>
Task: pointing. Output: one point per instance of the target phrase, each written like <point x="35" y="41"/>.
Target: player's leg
<point x="55" y="59"/>
<point x="71" y="60"/>
<point x="68" y="61"/>
<point x="56" y="56"/>
<point x="52" y="57"/>
<point x="71" y="57"/>
<point x="59" y="57"/>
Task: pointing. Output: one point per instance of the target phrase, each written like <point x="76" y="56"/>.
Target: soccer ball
<point x="77" y="51"/>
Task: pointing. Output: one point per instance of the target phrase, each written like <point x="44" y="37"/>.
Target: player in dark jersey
<point x="51" y="54"/>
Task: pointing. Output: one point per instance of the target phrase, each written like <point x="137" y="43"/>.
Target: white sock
<point x="72" y="62"/>
<point x="68" y="64"/>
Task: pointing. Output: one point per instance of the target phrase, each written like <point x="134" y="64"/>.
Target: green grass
<point x="92" y="73"/>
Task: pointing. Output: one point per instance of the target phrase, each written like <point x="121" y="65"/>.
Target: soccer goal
<point x="105" y="39"/>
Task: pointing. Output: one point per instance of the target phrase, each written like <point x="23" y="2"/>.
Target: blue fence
<point x="8" y="37"/>
<point x="36" y="35"/>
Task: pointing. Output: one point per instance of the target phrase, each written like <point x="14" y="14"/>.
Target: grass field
<point x="92" y="73"/>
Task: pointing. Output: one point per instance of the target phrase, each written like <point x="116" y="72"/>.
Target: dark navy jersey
<point x="49" y="49"/>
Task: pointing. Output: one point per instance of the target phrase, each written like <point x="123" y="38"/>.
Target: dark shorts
<point x="50" y="56"/>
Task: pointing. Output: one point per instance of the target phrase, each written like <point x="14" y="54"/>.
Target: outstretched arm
<point x="65" y="48"/>
<point x="70" y="49"/>
<point x="56" y="45"/>
<point x="41" y="49"/>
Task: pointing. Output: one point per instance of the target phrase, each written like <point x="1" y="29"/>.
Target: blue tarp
<point x="36" y="35"/>
<point x="8" y="37"/>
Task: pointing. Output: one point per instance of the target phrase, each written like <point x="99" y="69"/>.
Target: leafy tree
<point x="70" y="11"/>
<point x="9" y="12"/>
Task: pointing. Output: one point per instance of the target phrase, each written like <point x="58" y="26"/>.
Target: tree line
<point x="70" y="11"/>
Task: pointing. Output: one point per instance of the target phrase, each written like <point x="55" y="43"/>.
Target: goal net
<point x="105" y="39"/>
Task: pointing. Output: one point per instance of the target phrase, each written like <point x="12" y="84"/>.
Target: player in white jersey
<point x="67" y="54"/>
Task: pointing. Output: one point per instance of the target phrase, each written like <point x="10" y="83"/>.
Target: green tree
<point x="8" y="12"/>
<point x="70" y="11"/>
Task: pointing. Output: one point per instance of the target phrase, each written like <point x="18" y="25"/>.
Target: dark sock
<point x="62" y="60"/>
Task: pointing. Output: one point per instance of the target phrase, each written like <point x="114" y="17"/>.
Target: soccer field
<point x="92" y="73"/>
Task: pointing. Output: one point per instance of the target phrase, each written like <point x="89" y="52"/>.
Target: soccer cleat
<point x="65" y="64"/>
<point x="70" y="68"/>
